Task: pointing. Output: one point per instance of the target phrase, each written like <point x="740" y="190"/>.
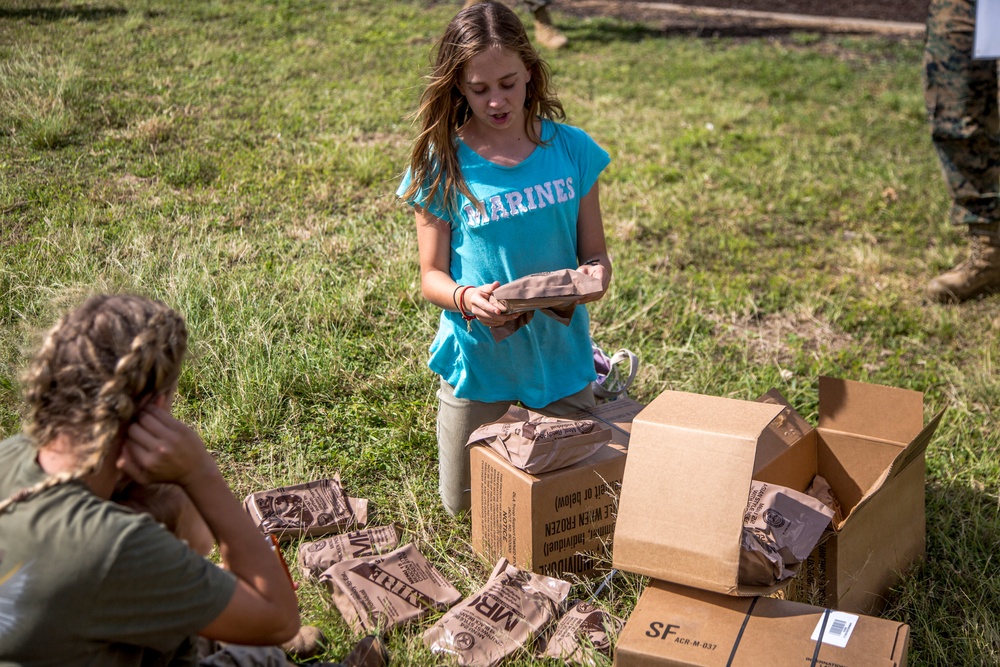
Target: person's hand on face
<point x="159" y="448"/>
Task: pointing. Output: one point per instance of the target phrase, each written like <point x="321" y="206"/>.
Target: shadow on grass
<point x="81" y="12"/>
<point x="952" y="601"/>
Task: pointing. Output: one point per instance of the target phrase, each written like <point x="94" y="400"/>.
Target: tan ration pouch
<point x="317" y="556"/>
<point x="379" y="593"/>
<point x="320" y="507"/>
<point x="499" y="619"/>
<point x="820" y="490"/>
<point x="535" y="443"/>
<point x="554" y="293"/>
<point x="581" y="631"/>
<point x="780" y="529"/>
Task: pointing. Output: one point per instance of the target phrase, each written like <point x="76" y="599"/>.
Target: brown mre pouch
<point x="820" y="490"/>
<point x="513" y="606"/>
<point x="554" y="293"/>
<point x="780" y="528"/>
<point x="582" y="630"/>
<point x="535" y="443"/>
<point x="319" y="507"/>
<point x="319" y="555"/>
<point x="378" y="593"/>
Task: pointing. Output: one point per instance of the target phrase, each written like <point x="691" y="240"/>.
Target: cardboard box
<point x="692" y="457"/>
<point x="870" y="446"/>
<point x="678" y="626"/>
<point x="555" y="522"/>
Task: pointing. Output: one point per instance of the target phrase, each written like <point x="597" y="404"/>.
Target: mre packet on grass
<point x="581" y="631"/>
<point x="501" y="618"/>
<point x="780" y="528"/>
<point x="379" y="593"/>
<point x="535" y="443"/>
<point x="319" y="555"/>
<point x="554" y="293"/>
<point x="320" y="507"/>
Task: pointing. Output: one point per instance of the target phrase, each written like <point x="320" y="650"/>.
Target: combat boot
<point x="978" y="274"/>
<point x="307" y="643"/>
<point x="546" y="33"/>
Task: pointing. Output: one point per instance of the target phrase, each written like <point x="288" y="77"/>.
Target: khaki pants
<point x="459" y="417"/>
<point x="219" y="654"/>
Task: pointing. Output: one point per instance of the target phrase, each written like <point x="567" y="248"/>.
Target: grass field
<point x="773" y="208"/>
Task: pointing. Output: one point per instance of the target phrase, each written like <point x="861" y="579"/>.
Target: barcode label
<point x="839" y="627"/>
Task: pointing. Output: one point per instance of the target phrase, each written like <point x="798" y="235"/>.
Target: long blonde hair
<point x="92" y="371"/>
<point x="443" y="108"/>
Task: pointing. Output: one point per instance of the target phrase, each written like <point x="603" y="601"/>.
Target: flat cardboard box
<point x="692" y="457"/>
<point x="677" y="626"/>
<point x="554" y="523"/>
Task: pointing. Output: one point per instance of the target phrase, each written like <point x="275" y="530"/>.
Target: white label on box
<point x="839" y="627"/>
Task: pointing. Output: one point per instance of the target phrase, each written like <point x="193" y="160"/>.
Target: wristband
<point x="468" y="317"/>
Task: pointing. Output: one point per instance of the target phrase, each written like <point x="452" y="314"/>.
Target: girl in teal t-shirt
<point x="501" y="190"/>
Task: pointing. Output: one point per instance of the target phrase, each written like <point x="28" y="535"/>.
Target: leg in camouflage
<point x="961" y="96"/>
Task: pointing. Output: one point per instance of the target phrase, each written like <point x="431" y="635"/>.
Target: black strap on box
<point x="739" y="635"/>
<point x="819" y="640"/>
<point x="746" y="620"/>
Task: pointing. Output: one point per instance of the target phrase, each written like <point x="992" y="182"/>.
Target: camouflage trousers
<point x="532" y="5"/>
<point x="961" y="95"/>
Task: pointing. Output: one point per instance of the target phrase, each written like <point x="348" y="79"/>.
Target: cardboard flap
<point x="784" y="430"/>
<point x="617" y="415"/>
<point x="878" y="412"/>
<point x="916" y="448"/>
<point x="904" y="459"/>
<point x="668" y="527"/>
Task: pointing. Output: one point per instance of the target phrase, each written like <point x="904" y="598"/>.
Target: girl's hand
<point x="159" y="448"/>
<point x="599" y="271"/>
<point x="476" y="301"/>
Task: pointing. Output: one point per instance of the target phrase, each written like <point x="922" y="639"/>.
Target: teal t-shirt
<point x="87" y="582"/>
<point x="529" y="226"/>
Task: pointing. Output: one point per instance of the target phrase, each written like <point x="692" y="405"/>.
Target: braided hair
<point x="92" y="371"/>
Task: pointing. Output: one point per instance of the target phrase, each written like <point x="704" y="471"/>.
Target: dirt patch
<point x="671" y="21"/>
<point x="780" y="337"/>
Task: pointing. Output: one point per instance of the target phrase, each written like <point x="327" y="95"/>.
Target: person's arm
<point x="170" y="506"/>
<point x="592" y="249"/>
<point x="263" y="609"/>
<point x="436" y="283"/>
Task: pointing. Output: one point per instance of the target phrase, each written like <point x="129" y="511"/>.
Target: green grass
<point x="773" y="207"/>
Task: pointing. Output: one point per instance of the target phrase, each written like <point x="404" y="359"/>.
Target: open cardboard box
<point x="677" y="626"/>
<point x="692" y="458"/>
<point x="556" y="522"/>
<point x="869" y="444"/>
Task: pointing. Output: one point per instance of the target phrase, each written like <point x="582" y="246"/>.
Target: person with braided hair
<point x="88" y="581"/>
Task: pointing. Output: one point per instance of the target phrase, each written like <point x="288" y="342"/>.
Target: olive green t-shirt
<point x="87" y="582"/>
